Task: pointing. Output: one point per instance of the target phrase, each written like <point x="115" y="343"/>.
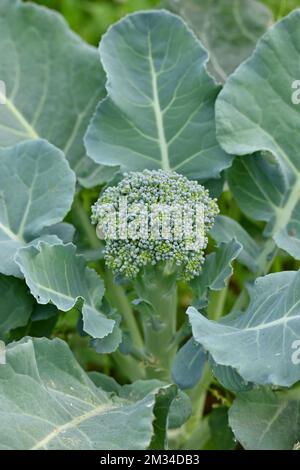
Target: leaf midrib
<point x="10" y="233"/>
<point x="75" y="422"/>
<point x="20" y="118"/>
<point x="158" y="112"/>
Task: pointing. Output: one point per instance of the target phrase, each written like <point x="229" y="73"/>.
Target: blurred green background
<point x="91" y="18"/>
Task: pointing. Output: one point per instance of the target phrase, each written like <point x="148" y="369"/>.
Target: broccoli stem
<point x="118" y="299"/>
<point x="158" y="288"/>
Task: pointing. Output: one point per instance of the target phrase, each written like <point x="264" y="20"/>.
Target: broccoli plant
<point x="150" y="230"/>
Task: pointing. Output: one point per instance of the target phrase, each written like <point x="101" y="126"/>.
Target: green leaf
<point x="55" y="274"/>
<point x="216" y="271"/>
<point x="188" y="365"/>
<point x="263" y="180"/>
<point x="161" y="412"/>
<point x="229" y="29"/>
<point x="53" y="80"/>
<point x="105" y="382"/>
<point x="109" y="343"/>
<point x="261" y="420"/>
<point x="180" y="410"/>
<point x="96" y="175"/>
<point x="259" y="343"/>
<point x="16" y="304"/>
<point x="222" y="437"/>
<point x="43" y="320"/>
<point x="226" y="229"/>
<point x="159" y="99"/>
<point x="43" y="312"/>
<point x="229" y="378"/>
<point x="258" y="186"/>
<point x="64" y="231"/>
<point x="48" y="402"/>
<point x="176" y="405"/>
<point x="247" y="123"/>
<point x="37" y="189"/>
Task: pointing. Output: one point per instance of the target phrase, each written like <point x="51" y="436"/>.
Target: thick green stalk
<point x="118" y="299"/>
<point x="157" y="290"/>
<point x="198" y="397"/>
<point x="83" y="221"/>
<point x="216" y="304"/>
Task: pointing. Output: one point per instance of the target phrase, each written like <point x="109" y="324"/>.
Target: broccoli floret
<point x="154" y="197"/>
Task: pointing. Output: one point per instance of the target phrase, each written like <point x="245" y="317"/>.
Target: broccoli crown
<point x="152" y="217"/>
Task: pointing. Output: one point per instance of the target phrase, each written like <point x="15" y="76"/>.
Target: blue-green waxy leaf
<point x="43" y="320"/>
<point x="36" y="191"/>
<point x="188" y="365"/>
<point x="53" y="81"/>
<point x="55" y="274"/>
<point x="258" y="185"/>
<point x="229" y="29"/>
<point x="226" y="229"/>
<point x="109" y="343"/>
<point x="256" y="112"/>
<point x="260" y="343"/>
<point x="180" y="409"/>
<point x="160" y="98"/>
<point x="216" y="271"/>
<point x="263" y="179"/>
<point x="64" y="231"/>
<point x="48" y="402"/>
<point x="16" y="304"/>
<point x="229" y="378"/>
<point x="263" y="420"/>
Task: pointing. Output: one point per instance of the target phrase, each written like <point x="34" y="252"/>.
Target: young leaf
<point x="229" y="29"/>
<point x="259" y="343"/>
<point x="216" y="271"/>
<point x="16" y="304"/>
<point x="188" y="364"/>
<point x="262" y="420"/>
<point x="255" y="112"/>
<point x="48" y="402"/>
<point x="37" y="190"/>
<point x="226" y="229"/>
<point x="55" y="274"/>
<point x="53" y="80"/>
<point x="160" y="98"/>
